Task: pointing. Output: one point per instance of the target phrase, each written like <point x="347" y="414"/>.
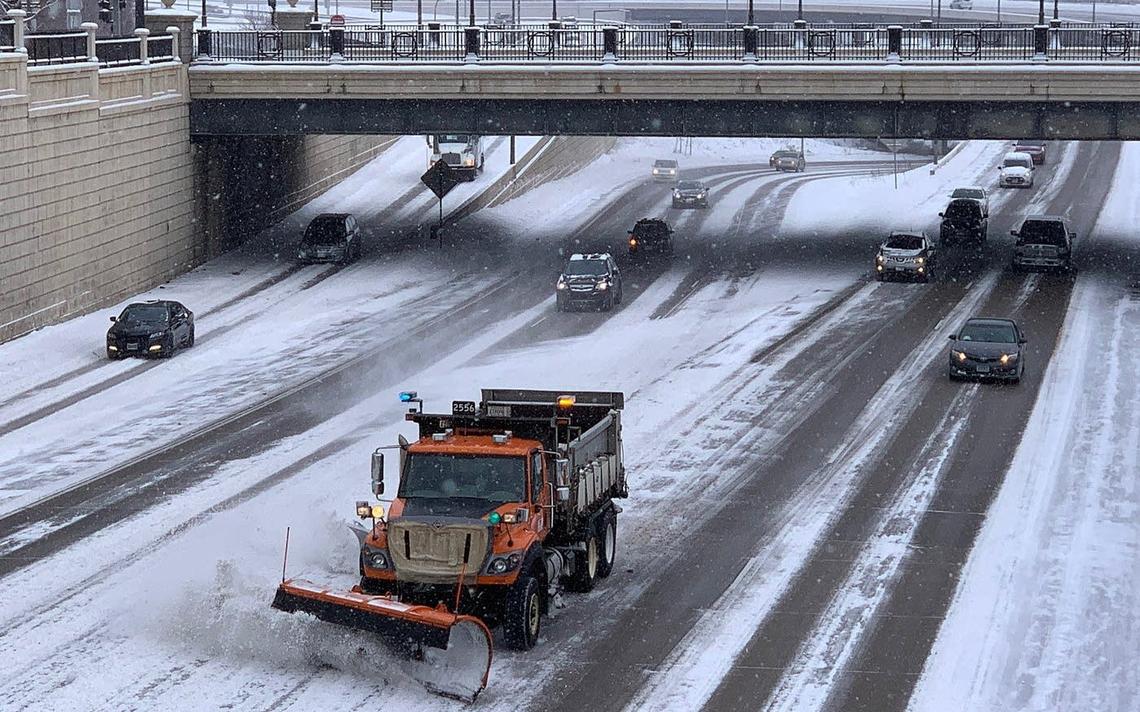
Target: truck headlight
<point x="602" y="285"/>
<point x="561" y="284"/>
<point x="376" y="558"/>
<point x="504" y="564"/>
<point x="469" y="160"/>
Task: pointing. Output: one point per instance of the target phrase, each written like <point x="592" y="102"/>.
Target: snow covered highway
<point x="818" y="518"/>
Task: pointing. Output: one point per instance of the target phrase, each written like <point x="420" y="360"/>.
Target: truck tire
<point x="586" y="569"/>
<point x="608" y="551"/>
<point x="522" y="617"/>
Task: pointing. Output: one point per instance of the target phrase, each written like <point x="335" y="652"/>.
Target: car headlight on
<point x="960" y="355"/>
<point x="602" y="285"/>
<point x="676" y="194"/>
<point x="156" y="347"/>
<point x="561" y="284"/>
<point x="921" y="261"/>
<point x="880" y="259"/>
<point x="1007" y="359"/>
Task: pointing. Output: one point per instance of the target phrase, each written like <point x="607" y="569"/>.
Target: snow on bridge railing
<point x="53" y="48"/>
<point x="674" y="42"/>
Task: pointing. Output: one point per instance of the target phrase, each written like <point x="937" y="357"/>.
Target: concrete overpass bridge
<point x="920" y="82"/>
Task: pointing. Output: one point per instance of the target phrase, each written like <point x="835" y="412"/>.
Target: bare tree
<point x="32" y="7"/>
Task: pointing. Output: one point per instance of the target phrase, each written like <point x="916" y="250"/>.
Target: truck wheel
<point x="608" y="547"/>
<point x="522" y="618"/>
<point x="586" y="569"/>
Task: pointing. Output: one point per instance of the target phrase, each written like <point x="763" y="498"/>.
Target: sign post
<point x="440" y="179"/>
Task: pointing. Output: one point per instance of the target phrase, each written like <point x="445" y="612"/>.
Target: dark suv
<point x="591" y="280"/>
<point x="988" y="348"/>
<point x="963" y="220"/>
<point x="154" y="328"/>
<point x="650" y="236"/>
<point x="1044" y="241"/>
<point x="330" y="237"/>
<point x="788" y="160"/>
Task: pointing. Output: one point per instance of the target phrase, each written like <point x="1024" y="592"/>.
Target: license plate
<point x="132" y="347"/>
<point x="983" y="369"/>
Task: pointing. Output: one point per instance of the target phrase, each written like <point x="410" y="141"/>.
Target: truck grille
<point x="431" y="551"/>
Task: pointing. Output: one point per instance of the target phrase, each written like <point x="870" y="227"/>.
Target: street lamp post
<point x="799" y="9"/>
<point x="554" y="10"/>
<point x="1041" y="12"/>
<point x="471" y="15"/>
<point x="1056" y="16"/>
<point x="751" y="16"/>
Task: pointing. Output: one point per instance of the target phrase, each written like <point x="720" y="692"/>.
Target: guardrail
<point x="45" y="49"/>
<point x="663" y="44"/>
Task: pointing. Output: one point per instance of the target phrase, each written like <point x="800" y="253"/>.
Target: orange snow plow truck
<point x="501" y="506"/>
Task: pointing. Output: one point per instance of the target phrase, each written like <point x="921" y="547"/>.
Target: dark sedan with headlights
<point x="154" y="328"/>
<point x="691" y="194"/>
<point x="589" y="280"/>
<point x="988" y="348"/>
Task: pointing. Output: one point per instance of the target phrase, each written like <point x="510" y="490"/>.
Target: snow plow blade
<point x="450" y="654"/>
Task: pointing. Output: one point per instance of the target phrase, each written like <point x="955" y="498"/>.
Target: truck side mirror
<point x="377" y="473"/>
<point x="563" y="494"/>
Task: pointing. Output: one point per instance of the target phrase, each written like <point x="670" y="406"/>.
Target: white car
<point x="961" y="4"/>
<point x="1016" y="170"/>
<point x="974" y="192"/>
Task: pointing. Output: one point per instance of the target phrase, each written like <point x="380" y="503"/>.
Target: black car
<point x="154" y="328"/>
<point x="1044" y="242"/>
<point x="650" y="236"/>
<point x="964" y="220"/>
<point x="691" y="194"/>
<point x="330" y="237"/>
<point x="589" y="280"/>
<point x="787" y="160"/>
<point x="988" y="348"/>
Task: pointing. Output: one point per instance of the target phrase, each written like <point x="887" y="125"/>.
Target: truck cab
<point x="462" y="152"/>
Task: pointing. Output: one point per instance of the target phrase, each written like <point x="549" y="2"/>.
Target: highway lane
<point x="622" y="653"/>
<point x="86" y="640"/>
<point x="506" y="286"/>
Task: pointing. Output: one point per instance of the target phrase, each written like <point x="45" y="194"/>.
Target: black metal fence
<point x="658" y="44"/>
<point x="7" y="35"/>
<point x="58" y="48"/>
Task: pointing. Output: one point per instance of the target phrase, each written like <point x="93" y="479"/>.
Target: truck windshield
<point x="452" y="139"/>
<point x="437" y="476"/>
<point x="1042" y="232"/>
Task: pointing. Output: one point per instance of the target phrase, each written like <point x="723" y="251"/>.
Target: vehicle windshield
<point x="595" y="268"/>
<point x="145" y="314"/>
<point x="689" y="185"/>
<point x="325" y="232"/>
<point x="990" y="333"/>
<point x="962" y="210"/>
<point x="453" y="138"/>
<point x="1016" y="162"/>
<point x="1042" y="232"/>
<point x="438" y="476"/>
<point x="786" y="154"/>
<point x="904" y="242"/>
<point x="664" y="164"/>
<point x="975" y="193"/>
<point x="1031" y="144"/>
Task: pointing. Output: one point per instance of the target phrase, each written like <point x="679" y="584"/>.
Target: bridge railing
<point x="675" y="42"/>
<point x="986" y="44"/>
<point x="7" y="35"/>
